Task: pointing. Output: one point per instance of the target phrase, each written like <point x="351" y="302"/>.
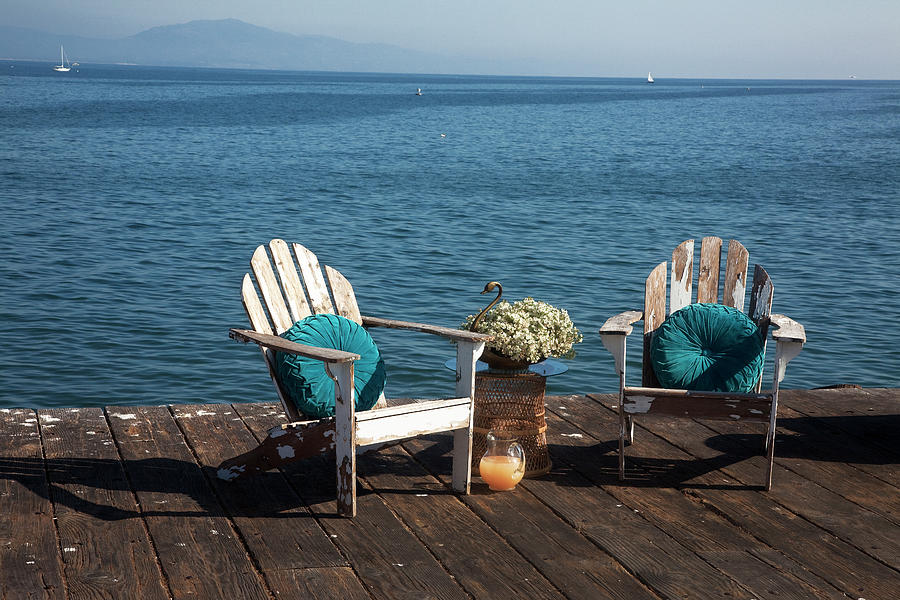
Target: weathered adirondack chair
<point x="348" y="432"/>
<point x="650" y="399"/>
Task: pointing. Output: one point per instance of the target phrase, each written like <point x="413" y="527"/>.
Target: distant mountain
<point x="231" y="43"/>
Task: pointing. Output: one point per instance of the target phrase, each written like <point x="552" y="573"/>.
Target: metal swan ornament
<point x="487" y="288"/>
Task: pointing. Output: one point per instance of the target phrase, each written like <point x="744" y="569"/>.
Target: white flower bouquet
<point x="528" y="330"/>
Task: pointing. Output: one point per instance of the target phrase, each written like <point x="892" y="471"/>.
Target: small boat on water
<point x="649" y="77"/>
<point x="63" y="66"/>
<point x="418" y="91"/>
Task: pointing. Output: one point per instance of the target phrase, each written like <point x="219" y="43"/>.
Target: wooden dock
<point x="123" y="502"/>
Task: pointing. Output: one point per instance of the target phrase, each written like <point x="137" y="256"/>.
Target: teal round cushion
<point x="304" y="379"/>
<point x="708" y="347"/>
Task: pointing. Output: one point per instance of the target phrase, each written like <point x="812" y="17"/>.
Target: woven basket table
<point x="513" y="402"/>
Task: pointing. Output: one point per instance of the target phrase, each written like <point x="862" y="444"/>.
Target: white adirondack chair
<point x="348" y="431"/>
<point x="650" y="399"/>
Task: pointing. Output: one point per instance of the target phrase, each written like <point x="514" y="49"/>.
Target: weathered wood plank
<point x="390" y="424"/>
<point x="824" y="442"/>
<point x="830" y="558"/>
<point x="278" y="529"/>
<point x="787" y="329"/>
<point x="656" y="402"/>
<point x="682" y="276"/>
<point x="30" y="565"/>
<point x="485" y="565"/>
<point x="344" y="297"/>
<point x="566" y="558"/>
<point x="255" y="311"/>
<point x="875" y="410"/>
<point x="280" y="344"/>
<point x="388" y="558"/>
<point x="701" y="531"/>
<point x="734" y="289"/>
<point x="652" y="556"/>
<point x="708" y="273"/>
<point x="870" y="532"/>
<point x="312" y="277"/>
<point x="686" y="514"/>
<point x="335" y="583"/>
<point x="761" y="297"/>
<point x="447" y="332"/>
<point x="290" y="280"/>
<point x="106" y="549"/>
<point x="199" y="551"/>
<point x="620" y="324"/>
<point x="654" y="315"/>
<point x="271" y="292"/>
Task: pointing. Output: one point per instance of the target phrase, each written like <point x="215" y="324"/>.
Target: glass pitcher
<point x="503" y="464"/>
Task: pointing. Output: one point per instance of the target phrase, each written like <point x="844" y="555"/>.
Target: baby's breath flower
<point x="528" y="330"/>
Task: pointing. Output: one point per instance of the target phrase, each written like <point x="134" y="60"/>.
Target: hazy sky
<point x="672" y="38"/>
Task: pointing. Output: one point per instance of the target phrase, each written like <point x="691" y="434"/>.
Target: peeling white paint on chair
<point x="230" y="473"/>
<point x="285" y="451"/>
<point x="638" y="404"/>
<point x="737" y="293"/>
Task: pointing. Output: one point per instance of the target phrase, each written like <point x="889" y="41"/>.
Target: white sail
<point x="63" y="65"/>
<point x="649" y="77"/>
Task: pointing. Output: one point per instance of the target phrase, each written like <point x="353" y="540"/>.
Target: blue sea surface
<point x="132" y="198"/>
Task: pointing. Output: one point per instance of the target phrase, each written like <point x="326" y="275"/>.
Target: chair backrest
<point x="733" y="289"/>
<point x="298" y="291"/>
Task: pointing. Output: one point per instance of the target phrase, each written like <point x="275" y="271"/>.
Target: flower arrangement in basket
<point x="525" y="332"/>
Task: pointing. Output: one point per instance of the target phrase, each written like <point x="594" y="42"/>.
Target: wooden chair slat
<point x="342" y="292"/>
<point x="761" y="306"/>
<point x="761" y="298"/>
<point x="254" y="307"/>
<point x="708" y="274"/>
<point x="735" y="288"/>
<point x="290" y="280"/>
<point x="654" y="315"/>
<point x="271" y="292"/>
<point x="315" y="282"/>
<point x="682" y="276"/>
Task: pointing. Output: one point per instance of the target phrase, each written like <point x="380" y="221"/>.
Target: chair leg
<point x="622" y="434"/>
<point x="345" y="437"/>
<point x="629" y="423"/>
<point x="462" y="460"/>
<point x="467" y="354"/>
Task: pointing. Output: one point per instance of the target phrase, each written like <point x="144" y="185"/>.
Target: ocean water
<point x="132" y="198"/>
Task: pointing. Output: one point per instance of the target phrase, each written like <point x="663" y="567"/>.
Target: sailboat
<point x="63" y="66"/>
<point x="649" y="77"/>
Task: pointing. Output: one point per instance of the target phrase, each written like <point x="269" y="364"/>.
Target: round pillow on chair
<point x="708" y="347"/>
<point x="305" y="380"/>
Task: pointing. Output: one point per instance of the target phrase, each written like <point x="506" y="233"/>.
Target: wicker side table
<point x="513" y="402"/>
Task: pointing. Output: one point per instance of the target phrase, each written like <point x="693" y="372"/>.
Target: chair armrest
<point x="621" y="323"/>
<point x="273" y="342"/>
<point x="459" y="335"/>
<point x="787" y="329"/>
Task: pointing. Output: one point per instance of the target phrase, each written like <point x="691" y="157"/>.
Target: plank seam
<point x="461" y="500"/>
<point x="62" y="565"/>
<point x="312" y="513"/>
<point x="137" y="503"/>
<point x="227" y="514"/>
<point x="637" y="576"/>
<point x="834" y="534"/>
<point x="409" y="529"/>
<point x="708" y="505"/>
